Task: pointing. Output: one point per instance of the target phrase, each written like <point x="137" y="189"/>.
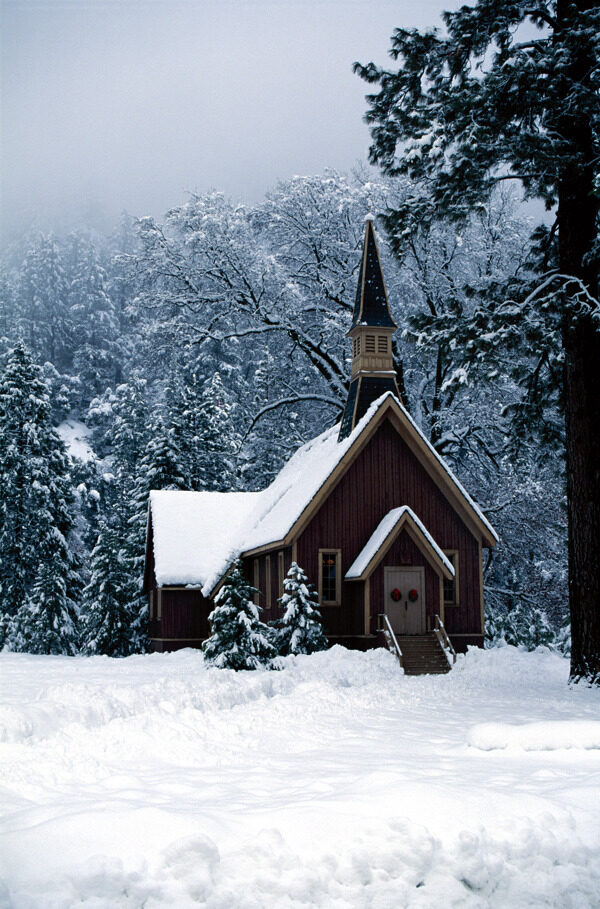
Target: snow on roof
<point x="192" y="531"/>
<point x="198" y="534"/>
<point x="382" y="532"/>
<point x="280" y="505"/>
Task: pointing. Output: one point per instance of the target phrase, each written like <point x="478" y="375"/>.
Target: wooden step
<point x="422" y="655"/>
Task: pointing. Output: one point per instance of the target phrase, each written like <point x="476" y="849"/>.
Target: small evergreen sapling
<point x="300" y="630"/>
<point x="239" y="640"/>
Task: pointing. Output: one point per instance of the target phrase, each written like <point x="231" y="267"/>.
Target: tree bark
<point x="578" y="210"/>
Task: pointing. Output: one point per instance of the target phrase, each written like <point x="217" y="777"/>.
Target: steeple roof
<point x="371" y="304"/>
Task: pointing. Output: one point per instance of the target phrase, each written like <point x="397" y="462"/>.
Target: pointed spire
<point x="371" y="303"/>
<point x="371" y="331"/>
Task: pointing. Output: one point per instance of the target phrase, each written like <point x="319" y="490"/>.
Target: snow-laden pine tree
<point x="216" y="436"/>
<point x="46" y="621"/>
<point x="94" y="321"/>
<point x="35" y="504"/>
<point x="523" y="625"/>
<point x="300" y="629"/>
<point x="510" y="91"/>
<point x="112" y="621"/>
<point x="159" y="468"/>
<point x="44" y="314"/>
<point x="239" y="640"/>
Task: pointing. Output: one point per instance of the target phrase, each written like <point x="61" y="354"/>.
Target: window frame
<point x="268" y="597"/>
<point x="280" y="572"/>
<point x="453" y="556"/>
<point x="256" y="581"/>
<point x="370" y="344"/>
<point x="382" y="344"/>
<point x="338" y="576"/>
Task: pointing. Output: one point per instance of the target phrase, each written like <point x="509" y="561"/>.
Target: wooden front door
<point x="404" y="592"/>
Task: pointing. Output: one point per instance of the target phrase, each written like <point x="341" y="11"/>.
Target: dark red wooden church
<point x="369" y="509"/>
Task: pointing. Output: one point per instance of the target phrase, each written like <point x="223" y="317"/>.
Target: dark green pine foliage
<point x="37" y="573"/>
<point x="160" y="468"/>
<point x="45" y="319"/>
<point x="94" y="322"/>
<point x="489" y="101"/>
<point x="239" y="640"/>
<point x="300" y="629"/>
<point x="112" y="622"/>
<point x="184" y="407"/>
<point x="522" y="626"/>
<point x="216" y="436"/>
<point x="46" y="621"/>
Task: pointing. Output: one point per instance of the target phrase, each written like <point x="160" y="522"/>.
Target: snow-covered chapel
<point x="371" y="512"/>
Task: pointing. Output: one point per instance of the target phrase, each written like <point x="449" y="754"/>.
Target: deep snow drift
<point x="152" y="781"/>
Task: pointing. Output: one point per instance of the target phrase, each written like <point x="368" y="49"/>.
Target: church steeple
<point x="371" y="332"/>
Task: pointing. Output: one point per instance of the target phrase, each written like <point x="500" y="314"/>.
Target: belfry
<point x="371" y="332"/>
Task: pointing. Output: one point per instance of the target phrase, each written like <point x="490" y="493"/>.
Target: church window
<point x="268" y="582"/>
<point x="280" y="574"/>
<point x="256" y="580"/>
<point x="451" y="585"/>
<point x="370" y="344"/>
<point x="356" y="347"/>
<point x="382" y="344"/>
<point x="330" y="580"/>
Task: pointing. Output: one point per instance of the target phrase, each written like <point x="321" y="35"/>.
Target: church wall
<point x="385" y="475"/>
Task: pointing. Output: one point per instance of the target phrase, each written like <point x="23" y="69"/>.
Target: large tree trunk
<point x="578" y="210"/>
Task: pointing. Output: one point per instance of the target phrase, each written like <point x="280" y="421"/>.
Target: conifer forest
<point x="200" y="351"/>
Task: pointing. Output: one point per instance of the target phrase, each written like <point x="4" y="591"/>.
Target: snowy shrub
<point x="523" y="626"/>
<point x="239" y="640"/>
<point x="300" y="629"/>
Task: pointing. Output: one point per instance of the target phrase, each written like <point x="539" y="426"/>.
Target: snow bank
<point x="335" y="782"/>
<point x="75" y="435"/>
<point x="547" y="736"/>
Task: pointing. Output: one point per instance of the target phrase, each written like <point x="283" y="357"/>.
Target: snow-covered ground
<point x="336" y="782"/>
<point x="76" y="435"/>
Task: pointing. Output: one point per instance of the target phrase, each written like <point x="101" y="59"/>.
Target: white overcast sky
<point x="111" y="106"/>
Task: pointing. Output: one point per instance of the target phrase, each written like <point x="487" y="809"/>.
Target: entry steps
<point x="422" y="654"/>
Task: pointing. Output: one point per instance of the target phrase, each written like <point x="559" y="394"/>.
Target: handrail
<point x="389" y="634"/>
<point x="444" y="641"/>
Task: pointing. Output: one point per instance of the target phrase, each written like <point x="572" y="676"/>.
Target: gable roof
<point x="198" y="537"/>
<point x="383" y="536"/>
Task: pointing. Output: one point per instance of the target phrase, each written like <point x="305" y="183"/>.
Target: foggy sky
<point x="111" y="106"/>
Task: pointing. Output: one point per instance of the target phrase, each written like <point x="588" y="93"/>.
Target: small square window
<point x="382" y="344"/>
<point x="370" y="344"/>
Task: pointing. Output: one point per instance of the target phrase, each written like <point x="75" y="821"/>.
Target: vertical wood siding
<point x="385" y="475"/>
<point x="274" y="612"/>
<point x="185" y="614"/>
